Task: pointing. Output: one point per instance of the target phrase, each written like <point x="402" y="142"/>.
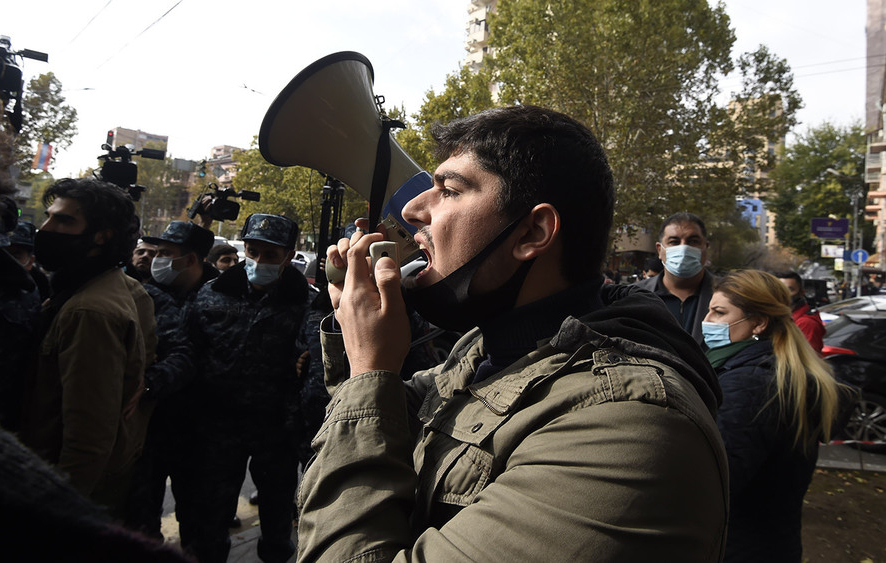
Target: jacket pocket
<point x="467" y="473"/>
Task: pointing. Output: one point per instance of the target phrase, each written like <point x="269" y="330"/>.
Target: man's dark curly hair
<point x="104" y="206"/>
<point x="543" y="156"/>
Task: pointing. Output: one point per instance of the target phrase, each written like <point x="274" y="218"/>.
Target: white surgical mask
<point x="683" y="261"/>
<point x="162" y="271"/>
<point x="262" y="274"/>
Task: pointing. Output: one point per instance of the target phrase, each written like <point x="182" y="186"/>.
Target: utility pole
<point x="855" y="194"/>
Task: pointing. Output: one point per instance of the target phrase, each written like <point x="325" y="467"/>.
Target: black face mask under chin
<point x="447" y="303"/>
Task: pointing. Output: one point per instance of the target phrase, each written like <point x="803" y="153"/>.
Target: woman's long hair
<point x="797" y="366"/>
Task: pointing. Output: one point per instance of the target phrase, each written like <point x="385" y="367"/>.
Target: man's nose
<point x="415" y="210"/>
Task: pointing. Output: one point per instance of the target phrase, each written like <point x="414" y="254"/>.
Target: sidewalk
<point x="243" y="539"/>
<point x="849" y="457"/>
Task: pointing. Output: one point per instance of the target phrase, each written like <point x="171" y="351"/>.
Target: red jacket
<point x="809" y="323"/>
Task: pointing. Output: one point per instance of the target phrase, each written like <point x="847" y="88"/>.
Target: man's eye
<point x="448" y="192"/>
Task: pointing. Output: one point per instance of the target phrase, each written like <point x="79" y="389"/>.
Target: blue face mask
<point x="717" y="334"/>
<point x="262" y="274"/>
<point x="683" y="261"/>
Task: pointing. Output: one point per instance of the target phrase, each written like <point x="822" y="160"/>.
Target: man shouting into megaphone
<point x="574" y="420"/>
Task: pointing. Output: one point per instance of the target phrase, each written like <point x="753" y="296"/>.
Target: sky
<point x="204" y="72"/>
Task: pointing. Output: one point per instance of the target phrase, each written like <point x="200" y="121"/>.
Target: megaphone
<point x="327" y="118"/>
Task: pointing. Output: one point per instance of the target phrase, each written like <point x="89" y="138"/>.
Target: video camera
<point x="11" y="82"/>
<point x="119" y="169"/>
<point x="221" y="208"/>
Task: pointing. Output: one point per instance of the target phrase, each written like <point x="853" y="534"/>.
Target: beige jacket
<point x="91" y="362"/>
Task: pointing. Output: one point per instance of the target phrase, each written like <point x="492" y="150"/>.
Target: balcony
<point x="876" y="144"/>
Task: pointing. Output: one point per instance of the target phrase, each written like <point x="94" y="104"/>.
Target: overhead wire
<point x="152" y="24"/>
<point x="102" y="9"/>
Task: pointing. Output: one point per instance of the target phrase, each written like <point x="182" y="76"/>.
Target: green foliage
<point x="643" y="76"/>
<point x="803" y="189"/>
<point x="465" y="93"/>
<point x="294" y="192"/>
<point x="734" y="242"/>
<point x="47" y="119"/>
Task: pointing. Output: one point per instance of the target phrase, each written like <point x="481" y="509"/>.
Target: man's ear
<point x="289" y="257"/>
<point x="541" y="230"/>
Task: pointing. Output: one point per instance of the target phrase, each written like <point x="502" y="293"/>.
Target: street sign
<point x="860" y="256"/>
<point x="825" y="227"/>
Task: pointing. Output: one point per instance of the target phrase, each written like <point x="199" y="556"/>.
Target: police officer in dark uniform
<point x="245" y="332"/>
<point x="179" y="272"/>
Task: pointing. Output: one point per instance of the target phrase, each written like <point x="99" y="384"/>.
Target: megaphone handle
<point x="377" y="251"/>
<point x="333" y="274"/>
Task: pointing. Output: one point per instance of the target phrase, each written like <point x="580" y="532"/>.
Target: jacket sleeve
<point x="608" y="482"/>
<point x="92" y="352"/>
<point x="174" y="367"/>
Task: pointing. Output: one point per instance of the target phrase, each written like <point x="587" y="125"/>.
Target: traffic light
<point x="202" y="172"/>
<point x="110" y="139"/>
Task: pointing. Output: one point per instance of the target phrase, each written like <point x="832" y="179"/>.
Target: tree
<point x="47" y="119"/>
<point x="294" y="192"/>
<point x="166" y="194"/>
<point x="644" y="77"/>
<point x="804" y="189"/>
<point x="464" y="94"/>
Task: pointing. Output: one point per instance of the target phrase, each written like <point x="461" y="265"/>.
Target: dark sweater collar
<point x="517" y="332"/>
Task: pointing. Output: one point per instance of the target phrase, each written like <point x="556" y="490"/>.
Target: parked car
<point x="855" y="347"/>
<point x="864" y="303"/>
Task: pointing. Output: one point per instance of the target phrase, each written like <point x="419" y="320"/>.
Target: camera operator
<point x="97" y="335"/>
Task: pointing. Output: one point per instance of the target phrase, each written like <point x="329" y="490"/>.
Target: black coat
<point x="768" y="476"/>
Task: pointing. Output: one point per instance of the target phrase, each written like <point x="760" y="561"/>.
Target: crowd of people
<point x="676" y="418"/>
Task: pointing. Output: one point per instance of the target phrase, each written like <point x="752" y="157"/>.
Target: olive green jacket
<point x="593" y="447"/>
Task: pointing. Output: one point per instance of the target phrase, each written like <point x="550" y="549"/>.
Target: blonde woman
<point x="779" y="399"/>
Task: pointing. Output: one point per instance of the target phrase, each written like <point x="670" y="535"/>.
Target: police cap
<point x="23" y="235"/>
<point x="188" y="234"/>
<point x="274" y="229"/>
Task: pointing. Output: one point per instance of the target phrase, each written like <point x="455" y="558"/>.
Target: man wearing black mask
<point x="97" y="335"/>
<point x="576" y="421"/>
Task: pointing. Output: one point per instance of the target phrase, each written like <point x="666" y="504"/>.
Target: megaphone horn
<point x="326" y="118"/>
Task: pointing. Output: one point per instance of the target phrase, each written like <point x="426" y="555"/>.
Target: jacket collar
<point x="633" y="321"/>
